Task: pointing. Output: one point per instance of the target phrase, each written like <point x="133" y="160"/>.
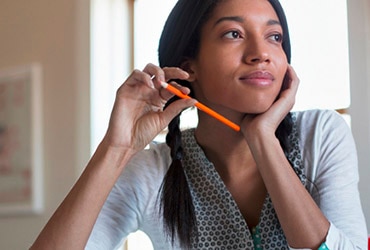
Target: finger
<point x="158" y="75"/>
<point x="154" y="72"/>
<point x="286" y="99"/>
<point x="167" y="74"/>
<point x="165" y="94"/>
<point x="138" y="76"/>
<point x="153" y="76"/>
<point x="292" y="79"/>
<point x="292" y="73"/>
<point x="175" y="108"/>
<point x="175" y="73"/>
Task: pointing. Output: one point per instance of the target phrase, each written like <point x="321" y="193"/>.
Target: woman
<point x="286" y="180"/>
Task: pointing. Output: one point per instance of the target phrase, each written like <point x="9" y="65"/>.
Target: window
<point x="319" y="38"/>
<point x="149" y="19"/>
<point x="109" y="66"/>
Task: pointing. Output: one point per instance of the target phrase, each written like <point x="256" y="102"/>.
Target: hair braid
<point x="176" y="202"/>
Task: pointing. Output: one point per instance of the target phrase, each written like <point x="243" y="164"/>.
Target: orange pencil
<point x="201" y="106"/>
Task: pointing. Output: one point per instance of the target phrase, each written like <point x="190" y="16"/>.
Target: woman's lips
<point x="258" y="78"/>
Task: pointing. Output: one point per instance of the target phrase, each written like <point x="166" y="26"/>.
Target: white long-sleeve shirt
<point x="329" y="161"/>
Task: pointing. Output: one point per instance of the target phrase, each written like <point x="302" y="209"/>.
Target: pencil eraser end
<point x="164" y="84"/>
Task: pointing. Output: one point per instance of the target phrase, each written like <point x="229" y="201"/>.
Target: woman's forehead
<point x="244" y="9"/>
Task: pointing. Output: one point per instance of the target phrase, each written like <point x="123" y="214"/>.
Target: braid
<point x="176" y="202"/>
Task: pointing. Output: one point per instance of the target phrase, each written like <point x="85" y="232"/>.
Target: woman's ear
<point x="188" y="67"/>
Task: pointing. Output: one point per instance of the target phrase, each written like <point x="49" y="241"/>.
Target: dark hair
<point x="179" y="41"/>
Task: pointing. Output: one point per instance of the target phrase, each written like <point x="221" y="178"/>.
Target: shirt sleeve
<point x="330" y="159"/>
<point x="128" y="201"/>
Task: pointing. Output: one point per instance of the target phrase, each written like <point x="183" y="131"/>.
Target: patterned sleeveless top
<point x="219" y="221"/>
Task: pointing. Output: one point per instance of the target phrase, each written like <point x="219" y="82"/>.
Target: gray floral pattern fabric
<point x="219" y="220"/>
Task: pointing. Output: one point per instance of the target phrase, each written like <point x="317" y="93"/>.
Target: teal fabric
<point x="323" y="246"/>
<point x="256" y="235"/>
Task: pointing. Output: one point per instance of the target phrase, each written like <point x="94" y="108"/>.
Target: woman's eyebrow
<point x="273" y="22"/>
<point x="241" y="20"/>
<point x="229" y="18"/>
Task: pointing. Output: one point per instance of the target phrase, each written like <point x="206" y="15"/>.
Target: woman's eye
<point x="232" y="34"/>
<point x="277" y="37"/>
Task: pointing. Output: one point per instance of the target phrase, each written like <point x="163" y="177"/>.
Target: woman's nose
<point x="256" y="52"/>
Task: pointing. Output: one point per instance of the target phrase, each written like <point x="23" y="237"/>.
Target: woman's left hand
<point x="266" y="123"/>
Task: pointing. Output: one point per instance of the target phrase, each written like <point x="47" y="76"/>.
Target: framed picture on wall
<point x="21" y="189"/>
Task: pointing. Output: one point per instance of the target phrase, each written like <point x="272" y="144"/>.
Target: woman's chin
<point x="259" y="110"/>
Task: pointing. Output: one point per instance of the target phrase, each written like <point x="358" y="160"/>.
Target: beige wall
<point x="54" y="34"/>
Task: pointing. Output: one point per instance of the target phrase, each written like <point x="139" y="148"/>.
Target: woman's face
<point x="241" y="63"/>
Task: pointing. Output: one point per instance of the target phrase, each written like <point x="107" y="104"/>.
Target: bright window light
<point x="109" y="67"/>
<point x="319" y="38"/>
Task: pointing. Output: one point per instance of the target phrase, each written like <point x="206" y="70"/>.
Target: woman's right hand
<point x="138" y="115"/>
